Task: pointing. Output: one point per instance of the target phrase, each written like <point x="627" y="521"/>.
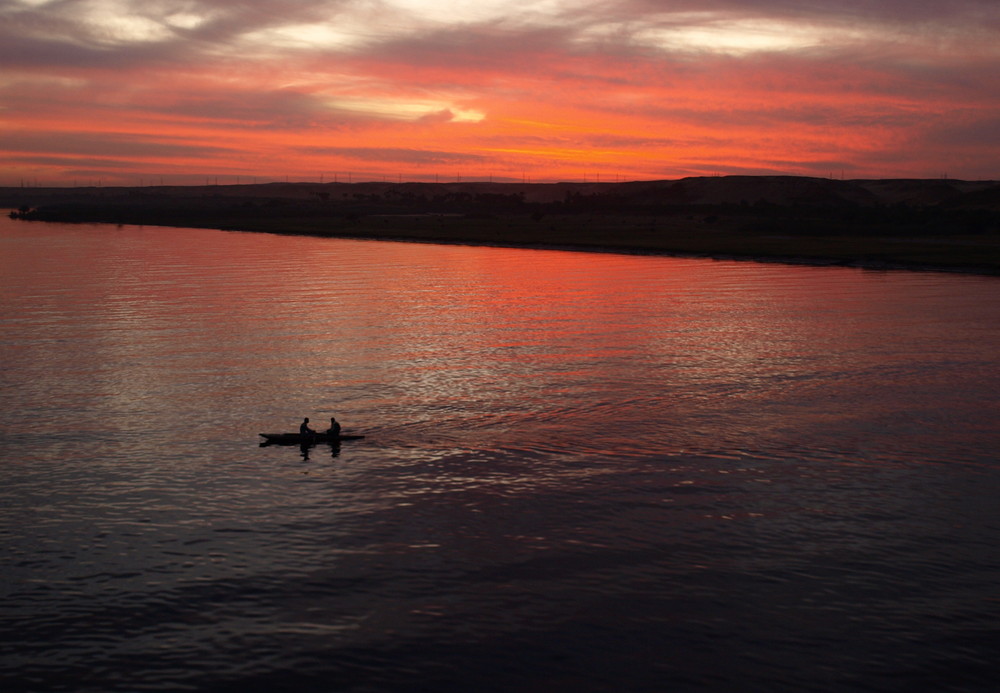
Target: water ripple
<point x="581" y="472"/>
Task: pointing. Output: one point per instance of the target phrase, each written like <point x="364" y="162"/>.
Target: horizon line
<point x="215" y="182"/>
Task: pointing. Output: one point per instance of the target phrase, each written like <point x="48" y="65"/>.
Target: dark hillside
<point x="942" y="224"/>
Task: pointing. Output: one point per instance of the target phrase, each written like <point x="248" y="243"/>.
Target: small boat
<point x="300" y="439"/>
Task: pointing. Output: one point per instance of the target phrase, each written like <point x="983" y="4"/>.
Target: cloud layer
<point x="118" y="90"/>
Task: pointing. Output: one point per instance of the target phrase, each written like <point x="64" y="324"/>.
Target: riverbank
<point x="678" y="235"/>
<point x="918" y="225"/>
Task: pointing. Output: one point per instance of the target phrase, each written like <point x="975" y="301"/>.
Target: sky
<point x="129" y="92"/>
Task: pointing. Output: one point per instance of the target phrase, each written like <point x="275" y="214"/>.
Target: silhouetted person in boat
<point x="334" y="430"/>
<point x="304" y="428"/>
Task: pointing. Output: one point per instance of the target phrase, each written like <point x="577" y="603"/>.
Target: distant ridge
<point x="940" y="224"/>
<point x="715" y="190"/>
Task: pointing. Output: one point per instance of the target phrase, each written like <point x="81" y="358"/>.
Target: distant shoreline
<point x="930" y="225"/>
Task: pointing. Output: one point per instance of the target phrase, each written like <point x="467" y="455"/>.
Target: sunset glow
<point x="179" y="91"/>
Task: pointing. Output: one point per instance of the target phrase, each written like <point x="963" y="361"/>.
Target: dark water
<point x="582" y="472"/>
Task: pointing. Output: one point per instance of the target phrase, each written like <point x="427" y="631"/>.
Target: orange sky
<point x="184" y="91"/>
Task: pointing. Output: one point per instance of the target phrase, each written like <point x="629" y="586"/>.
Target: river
<point x="581" y="471"/>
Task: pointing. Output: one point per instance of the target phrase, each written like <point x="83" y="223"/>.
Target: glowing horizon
<point x="184" y="91"/>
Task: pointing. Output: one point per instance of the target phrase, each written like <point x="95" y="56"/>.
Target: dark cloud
<point x="66" y="34"/>
<point x="282" y="109"/>
<point x="100" y="144"/>
<point x="904" y="11"/>
<point x="975" y="130"/>
<point x="79" y="165"/>
<point x="388" y="154"/>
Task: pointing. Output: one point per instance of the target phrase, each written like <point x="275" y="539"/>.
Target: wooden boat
<point x="299" y="439"/>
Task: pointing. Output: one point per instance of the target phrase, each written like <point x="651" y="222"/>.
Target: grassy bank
<point x="878" y="235"/>
<point x="679" y="235"/>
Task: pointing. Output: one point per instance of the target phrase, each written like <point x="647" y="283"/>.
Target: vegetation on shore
<point x="947" y="225"/>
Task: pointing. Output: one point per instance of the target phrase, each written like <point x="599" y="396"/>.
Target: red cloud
<point x="619" y="91"/>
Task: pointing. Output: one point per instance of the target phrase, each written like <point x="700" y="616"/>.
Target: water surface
<point x="582" y="472"/>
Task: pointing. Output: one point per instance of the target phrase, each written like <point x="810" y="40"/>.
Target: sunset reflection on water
<point x="649" y="471"/>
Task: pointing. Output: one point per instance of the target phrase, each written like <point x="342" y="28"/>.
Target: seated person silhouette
<point x="304" y="429"/>
<point x="334" y="430"/>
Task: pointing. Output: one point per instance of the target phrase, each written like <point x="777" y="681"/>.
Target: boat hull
<point x="299" y="439"/>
